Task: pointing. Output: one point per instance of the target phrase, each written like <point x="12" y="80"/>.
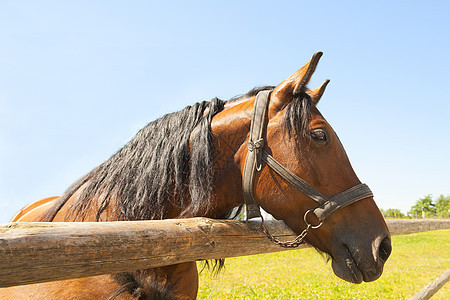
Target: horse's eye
<point x="319" y="135"/>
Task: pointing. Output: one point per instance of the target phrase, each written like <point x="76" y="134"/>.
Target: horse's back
<point x="96" y="287"/>
<point x="34" y="211"/>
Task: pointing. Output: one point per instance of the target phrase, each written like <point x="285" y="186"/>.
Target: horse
<point x="269" y="148"/>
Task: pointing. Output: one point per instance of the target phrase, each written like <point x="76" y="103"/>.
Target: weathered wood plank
<point x="432" y="287"/>
<point x="40" y="252"/>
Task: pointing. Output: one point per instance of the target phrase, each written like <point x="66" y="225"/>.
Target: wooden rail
<point x="41" y="252"/>
<point x="432" y="287"/>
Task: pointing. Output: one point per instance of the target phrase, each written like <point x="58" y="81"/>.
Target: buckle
<point x="310" y="225"/>
<point x="255" y="145"/>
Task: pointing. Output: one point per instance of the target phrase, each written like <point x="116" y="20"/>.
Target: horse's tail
<point x="51" y="213"/>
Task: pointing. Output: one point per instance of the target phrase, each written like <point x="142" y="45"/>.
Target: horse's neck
<point x="230" y="129"/>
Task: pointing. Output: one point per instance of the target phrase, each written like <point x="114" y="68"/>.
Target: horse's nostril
<point x="385" y="249"/>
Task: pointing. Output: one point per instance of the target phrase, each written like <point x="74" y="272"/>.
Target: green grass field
<point x="416" y="260"/>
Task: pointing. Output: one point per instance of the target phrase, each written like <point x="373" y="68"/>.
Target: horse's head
<point x="354" y="233"/>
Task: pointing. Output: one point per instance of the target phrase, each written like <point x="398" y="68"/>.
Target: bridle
<point x="256" y="154"/>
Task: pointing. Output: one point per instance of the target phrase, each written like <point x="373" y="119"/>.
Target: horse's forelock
<point x="297" y="116"/>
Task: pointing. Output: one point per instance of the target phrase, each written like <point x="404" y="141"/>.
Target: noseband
<point x="256" y="154"/>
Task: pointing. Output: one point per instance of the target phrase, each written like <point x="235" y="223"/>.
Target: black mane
<point x="156" y="166"/>
<point x="252" y="93"/>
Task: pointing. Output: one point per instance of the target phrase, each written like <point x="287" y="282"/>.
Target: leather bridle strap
<point x="293" y="179"/>
<point x="256" y="153"/>
<point x="253" y="159"/>
<point x="347" y="197"/>
<point x="327" y="205"/>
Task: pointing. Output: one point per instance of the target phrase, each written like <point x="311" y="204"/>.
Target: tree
<point x="424" y="208"/>
<point x="392" y="213"/>
<point x="443" y="206"/>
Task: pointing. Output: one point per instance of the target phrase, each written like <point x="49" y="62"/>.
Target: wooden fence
<point x="41" y="252"/>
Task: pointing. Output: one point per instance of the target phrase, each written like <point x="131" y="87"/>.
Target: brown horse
<point x="191" y="163"/>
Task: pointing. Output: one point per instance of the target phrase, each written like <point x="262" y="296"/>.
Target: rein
<point x="253" y="163"/>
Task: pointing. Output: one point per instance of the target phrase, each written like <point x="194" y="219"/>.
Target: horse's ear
<point x="294" y="84"/>
<point x="317" y="93"/>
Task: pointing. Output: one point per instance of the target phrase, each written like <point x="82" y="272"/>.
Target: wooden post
<point x="41" y="252"/>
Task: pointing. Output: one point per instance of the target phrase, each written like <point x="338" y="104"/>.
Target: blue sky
<point x="79" y="78"/>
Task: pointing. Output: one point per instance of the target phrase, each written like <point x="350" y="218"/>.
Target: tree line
<point x="425" y="207"/>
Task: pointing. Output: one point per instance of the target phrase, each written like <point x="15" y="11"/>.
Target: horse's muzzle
<point x="356" y="264"/>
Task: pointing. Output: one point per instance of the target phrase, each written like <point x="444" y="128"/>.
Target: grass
<point x="416" y="260"/>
